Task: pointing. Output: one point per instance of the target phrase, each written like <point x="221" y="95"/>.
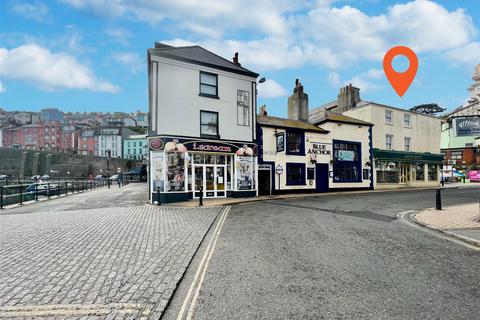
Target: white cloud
<point x="2" y="87"/>
<point x="49" y="70"/>
<point x="366" y="80"/>
<point x="212" y="17"/>
<point x="290" y="34"/>
<point x="271" y="89"/>
<point x="131" y="60"/>
<point x="468" y="54"/>
<point x="120" y="35"/>
<point x="32" y="11"/>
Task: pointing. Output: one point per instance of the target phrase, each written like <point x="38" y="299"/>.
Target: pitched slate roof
<point x="337" y="117"/>
<point x="288" y="123"/>
<point x="199" y="55"/>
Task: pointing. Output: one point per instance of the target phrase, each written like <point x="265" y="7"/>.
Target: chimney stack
<point x="298" y="103"/>
<point x="263" y="111"/>
<point x="235" y="59"/>
<point x="347" y="98"/>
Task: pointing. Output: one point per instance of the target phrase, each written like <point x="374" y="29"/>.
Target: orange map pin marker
<point x="400" y="81"/>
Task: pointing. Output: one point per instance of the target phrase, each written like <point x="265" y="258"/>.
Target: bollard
<point x="158" y="197"/>
<point x="200" y="199"/>
<point x="438" y="202"/>
<point x="36" y="191"/>
<point x="21" y="194"/>
<point x="1" y="197"/>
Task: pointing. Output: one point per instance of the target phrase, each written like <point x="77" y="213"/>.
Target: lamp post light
<point x="109" y="153"/>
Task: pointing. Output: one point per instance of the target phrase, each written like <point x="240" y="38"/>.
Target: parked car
<point x="3" y="177"/>
<point x="36" y="177"/>
<point x="99" y="177"/>
<point x="114" y="177"/>
<point x="45" y="177"/>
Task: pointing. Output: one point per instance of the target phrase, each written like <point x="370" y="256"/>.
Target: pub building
<point x="202" y="125"/>
<point x="295" y="155"/>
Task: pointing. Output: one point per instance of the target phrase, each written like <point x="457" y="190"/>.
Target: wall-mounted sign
<point x="279" y="169"/>
<point x="161" y="143"/>
<point x="280" y="142"/>
<point x="318" y="148"/>
<point x="345" y="155"/>
<point x="468" y="126"/>
<point x="156" y="144"/>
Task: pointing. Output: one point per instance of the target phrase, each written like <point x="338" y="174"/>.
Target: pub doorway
<point x="264" y="181"/>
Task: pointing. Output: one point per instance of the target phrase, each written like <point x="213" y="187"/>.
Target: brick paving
<point x="450" y="218"/>
<point x="106" y="263"/>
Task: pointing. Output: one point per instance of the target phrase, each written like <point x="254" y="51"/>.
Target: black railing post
<point x="200" y="199"/>
<point x="66" y="188"/>
<point x="1" y="197"/>
<point x="438" y="198"/>
<point x="36" y="191"/>
<point x="48" y="190"/>
<point x="21" y="194"/>
<point x="158" y="196"/>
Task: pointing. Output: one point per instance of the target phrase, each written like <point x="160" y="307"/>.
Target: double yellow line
<point x="194" y="290"/>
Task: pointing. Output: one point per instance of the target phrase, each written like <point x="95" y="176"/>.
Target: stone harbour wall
<point x="26" y="163"/>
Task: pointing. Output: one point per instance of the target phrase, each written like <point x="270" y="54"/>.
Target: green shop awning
<point x="405" y="156"/>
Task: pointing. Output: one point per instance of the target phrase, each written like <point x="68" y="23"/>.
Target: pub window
<point x="387" y="172"/>
<point x="389" y="142"/>
<point x="243" y="98"/>
<point x="295" y="174"/>
<point x="208" y="84"/>
<point x="456" y="155"/>
<point x="432" y="172"/>
<point x="209" y="123"/>
<point x="407" y="142"/>
<point x="346" y="165"/>
<point x="295" y="144"/>
<point x="420" y="172"/>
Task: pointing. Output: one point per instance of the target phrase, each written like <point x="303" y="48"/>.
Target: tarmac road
<point x="335" y="257"/>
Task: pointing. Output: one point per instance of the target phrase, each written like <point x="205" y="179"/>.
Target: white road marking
<point x="202" y="268"/>
<point x="402" y="218"/>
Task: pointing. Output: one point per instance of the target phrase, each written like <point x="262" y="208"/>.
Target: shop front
<point x="396" y="169"/>
<point x="183" y="169"/>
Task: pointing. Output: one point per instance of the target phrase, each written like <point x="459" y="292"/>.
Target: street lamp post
<point x="109" y="153"/>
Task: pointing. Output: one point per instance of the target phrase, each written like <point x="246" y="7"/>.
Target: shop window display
<point x="175" y="171"/>
<point x="387" y="172"/>
<point x="432" y="172"/>
<point x="420" y="172"/>
<point x="244" y="173"/>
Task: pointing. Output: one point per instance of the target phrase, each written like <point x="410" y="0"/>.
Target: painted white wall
<point x="109" y="142"/>
<point x="179" y="103"/>
<point x="345" y="132"/>
<point x="424" y="132"/>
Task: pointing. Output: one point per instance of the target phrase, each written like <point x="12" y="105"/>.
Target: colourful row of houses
<point x="114" y="141"/>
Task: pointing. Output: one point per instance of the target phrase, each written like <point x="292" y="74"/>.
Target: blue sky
<point x="90" y="55"/>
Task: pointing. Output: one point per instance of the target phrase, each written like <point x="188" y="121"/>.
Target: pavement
<point x="96" y="255"/>
<point x="461" y="220"/>
<point x="335" y="257"/>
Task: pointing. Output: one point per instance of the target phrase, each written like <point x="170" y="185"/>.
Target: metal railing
<point x="21" y="193"/>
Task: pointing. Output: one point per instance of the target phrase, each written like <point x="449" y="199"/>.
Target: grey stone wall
<point x="26" y="163"/>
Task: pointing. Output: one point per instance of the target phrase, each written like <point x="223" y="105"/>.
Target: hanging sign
<point x="280" y="142"/>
